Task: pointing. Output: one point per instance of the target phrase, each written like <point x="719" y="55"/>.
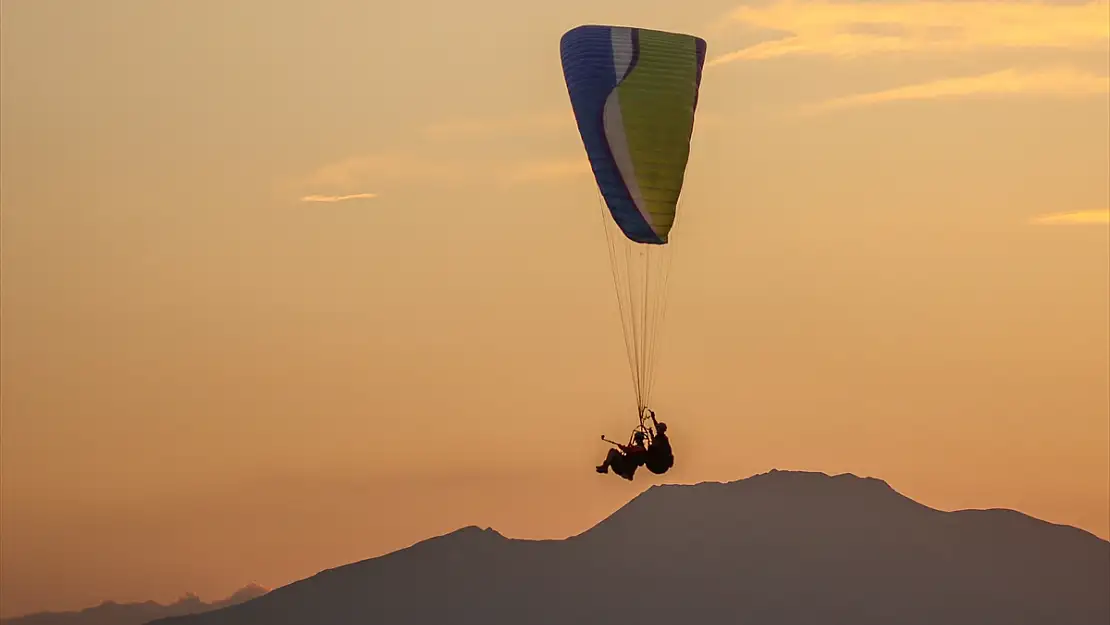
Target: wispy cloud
<point x="1059" y="82"/>
<point x="424" y="161"/>
<point x="1073" y="218"/>
<point x="851" y="29"/>
<point x="338" y="198"/>
<point x="322" y="184"/>
<point x="548" y="170"/>
<point x="372" y="168"/>
<point x="345" y="179"/>
<point x="513" y="124"/>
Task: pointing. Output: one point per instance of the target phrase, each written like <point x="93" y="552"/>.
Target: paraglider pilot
<point x="656" y="455"/>
<point x="625" y="459"/>
<point x="659" y="458"/>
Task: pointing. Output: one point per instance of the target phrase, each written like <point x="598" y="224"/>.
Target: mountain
<point x="781" y="548"/>
<point x="112" y="613"/>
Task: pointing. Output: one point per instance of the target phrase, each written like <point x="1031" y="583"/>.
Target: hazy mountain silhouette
<point x="112" y="613"/>
<point x="781" y="548"/>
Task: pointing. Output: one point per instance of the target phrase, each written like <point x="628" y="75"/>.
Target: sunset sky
<point x="290" y="284"/>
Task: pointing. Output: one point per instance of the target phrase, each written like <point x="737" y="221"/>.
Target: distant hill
<point x="781" y="548"/>
<point x="112" y="613"/>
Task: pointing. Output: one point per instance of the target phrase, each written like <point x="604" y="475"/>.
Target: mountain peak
<point x="468" y="535"/>
<point x="246" y="593"/>
<point x="675" y="509"/>
<point x="474" y="531"/>
<point x="789" y="478"/>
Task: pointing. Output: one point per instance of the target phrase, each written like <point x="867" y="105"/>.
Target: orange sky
<point x="894" y="261"/>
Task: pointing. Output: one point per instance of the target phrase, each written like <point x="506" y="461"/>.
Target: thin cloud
<point x="369" y="169"/>
<point x="852" y="29"/>
<point x="1059" y="82"/>
<point x="527" y="123"/>
<point x="338" y="198"/>
<point x="549" y="170"/>
<point x="344" y="180"/>
<point x="347" y="177"/>
<point x="340" y="180"/>
<point x="1073" y="218"/>
<point x="334" y="181"/>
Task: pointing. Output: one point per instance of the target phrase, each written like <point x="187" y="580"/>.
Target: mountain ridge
<point x="111" y="612"/>
<point x="780" y="547"/>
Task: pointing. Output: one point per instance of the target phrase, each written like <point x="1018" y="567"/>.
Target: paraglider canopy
<point x="634" y="92"/>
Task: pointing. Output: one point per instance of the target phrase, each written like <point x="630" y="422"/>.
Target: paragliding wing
<point x="634" y="92"/>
